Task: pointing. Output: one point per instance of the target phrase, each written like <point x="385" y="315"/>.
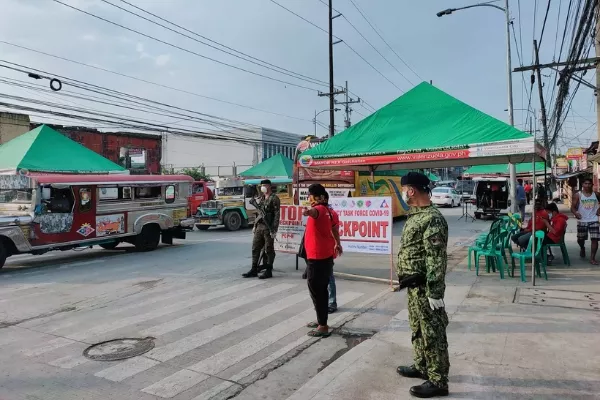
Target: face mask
<point x="405" y="197"/>
<point x="550" y="215"/>
<point x="264" y="189"/>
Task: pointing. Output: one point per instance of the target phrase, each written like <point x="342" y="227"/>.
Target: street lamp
<point x="318" y="113"/>
<point x="505" y="10"/>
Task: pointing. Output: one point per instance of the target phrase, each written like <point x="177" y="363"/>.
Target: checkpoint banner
<point x="365" y="224"/>
<point x="291" y="229"/>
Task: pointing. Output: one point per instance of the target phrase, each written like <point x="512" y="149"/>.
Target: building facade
<point x="13" y="125"/>
<point x="246" y="148"/>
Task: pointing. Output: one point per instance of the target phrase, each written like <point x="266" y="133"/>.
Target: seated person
<point x="521" y="239"/>
<point x="556" y="227"/>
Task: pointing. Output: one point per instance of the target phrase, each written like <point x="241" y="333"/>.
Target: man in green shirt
<point x="422" y="261"/>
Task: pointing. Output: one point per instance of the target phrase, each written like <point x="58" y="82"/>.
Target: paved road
<point x="216" y="335"/>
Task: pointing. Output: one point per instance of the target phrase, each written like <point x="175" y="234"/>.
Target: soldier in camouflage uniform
<point x="422" y="260"/>
<point x="265" y="229"/>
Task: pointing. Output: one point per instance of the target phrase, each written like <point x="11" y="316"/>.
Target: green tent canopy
<point x="277" y="166"/>
<point x="45" y="150"/>
<point x="502" y="169"/>
<point x="424" y="128"/>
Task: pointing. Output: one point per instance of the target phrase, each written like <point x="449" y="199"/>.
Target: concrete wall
<point x="219" y="156"/>
<point x="13" y="125"/>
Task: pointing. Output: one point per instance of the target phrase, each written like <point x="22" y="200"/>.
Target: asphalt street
<point x="215" y="335"/>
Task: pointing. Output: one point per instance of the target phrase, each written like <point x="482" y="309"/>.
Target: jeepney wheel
<point x="233" y="221"/>
<point x="148" y="239"/>
<point x="110" y="246"/>
<point x="3" y="254"/>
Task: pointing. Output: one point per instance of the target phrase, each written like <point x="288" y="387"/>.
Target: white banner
<point x="365" y="224"/>
<point x="333" y="192"/>
<point x="291" y="229"/>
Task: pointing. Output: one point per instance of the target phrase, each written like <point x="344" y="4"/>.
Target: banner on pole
<point x="291" y="229"/>
<point x="365" y="224"/>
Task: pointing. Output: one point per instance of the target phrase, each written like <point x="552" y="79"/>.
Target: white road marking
<point x="178" y="382"/>
<point x="209" y="394"/>
<point x="214" y="311"/>
<point x="69" y="362"/>
<point x="198" y="339"/>
<point x="227" y="358"/>
<point x="48" y="346"/>
<point x="126" y="369"/>
<point x="135" y="319"/>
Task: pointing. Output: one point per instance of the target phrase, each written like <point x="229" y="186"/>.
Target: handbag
<point x="302" y="249"/>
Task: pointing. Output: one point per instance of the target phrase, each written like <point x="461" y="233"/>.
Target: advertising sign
<point x="291" y="229"/>
<point x="574" y="153"/>
<point x="365" y="224"/>
<point x="328" y="178"/>
<point x="333" y="192"/>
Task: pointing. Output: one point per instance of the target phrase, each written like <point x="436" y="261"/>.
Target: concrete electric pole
<point x="332" y="91"/>
<point x="347" y="108"/>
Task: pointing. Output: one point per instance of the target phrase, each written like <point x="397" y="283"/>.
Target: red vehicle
<point x="39" y="213"/>
<point x="201" y="192"/>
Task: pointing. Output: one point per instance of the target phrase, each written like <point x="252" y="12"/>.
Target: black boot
<point x="267" y="273"/>
<point x="253" y="273"/>
<point x="411" y="372"/>
<point x="428" y="389"/>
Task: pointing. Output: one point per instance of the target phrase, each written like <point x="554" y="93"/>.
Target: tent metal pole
<point x="533" y="219"/>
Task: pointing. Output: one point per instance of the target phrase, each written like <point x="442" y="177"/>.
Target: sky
<point x="463" y="54"/>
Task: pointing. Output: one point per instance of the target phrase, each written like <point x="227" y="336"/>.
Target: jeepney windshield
<point x="15" y="196"/>
<point x="231" y="191"/>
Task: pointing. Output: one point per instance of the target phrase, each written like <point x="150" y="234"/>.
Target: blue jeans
<point x="332" y="298"/>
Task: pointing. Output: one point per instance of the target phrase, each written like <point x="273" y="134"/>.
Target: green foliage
<point x="196" y="173"/>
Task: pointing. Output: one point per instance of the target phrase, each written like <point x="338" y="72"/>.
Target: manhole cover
<point x="119" y="349"/>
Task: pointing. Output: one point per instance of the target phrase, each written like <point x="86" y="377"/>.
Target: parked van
<point x="491" y="197"/>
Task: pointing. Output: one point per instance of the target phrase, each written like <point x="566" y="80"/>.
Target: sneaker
<point x="410" y="372"/>
<point x="427" y="390"/>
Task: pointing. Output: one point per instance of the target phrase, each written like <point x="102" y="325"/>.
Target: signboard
<point x="502" y="148"/>
<point x="562" y="162"/>
<point x="328" y="178"/>
<point x="574" y="153"/>
<point x="291" y="229"/>
<point x="365" y="224"/>
<point x="333" y="192"/>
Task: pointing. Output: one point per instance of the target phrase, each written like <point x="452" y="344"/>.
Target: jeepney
<point x="39" y="213"/>
<point x="232" y="207"/>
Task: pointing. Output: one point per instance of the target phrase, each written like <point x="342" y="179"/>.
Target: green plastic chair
<point x="485" y="242"/>
<point x="492" y="254"/>
<point x="526" y="255"/>
<point x="563" y="250"/>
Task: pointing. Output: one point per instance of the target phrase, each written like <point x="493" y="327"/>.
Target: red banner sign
<point x="386" y="159"/>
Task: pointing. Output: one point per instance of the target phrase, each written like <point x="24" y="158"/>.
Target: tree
<point x="196" y="173"/>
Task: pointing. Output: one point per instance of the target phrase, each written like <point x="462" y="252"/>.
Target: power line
<point x="544" y="23"/>
<point x="184" y="49"/>
<point x="243" y="56"/>
<point x="152" y="83"/>
<point x="336" y="37"/>
<point x="385" y="41"/>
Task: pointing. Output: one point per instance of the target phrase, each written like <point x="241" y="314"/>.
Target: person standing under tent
<point x="265" y="230"/>
<point x="521" y="197"/>
<point x="528" y="190"/>
<point x="585" y="207"/>
<point x="422" y="262"/>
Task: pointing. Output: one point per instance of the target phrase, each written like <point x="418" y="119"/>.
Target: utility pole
<point x="332" y="91"/>
<point x="597" y="45"/>
<point x="347" y="107"/>
<point x="512" y="168"/>
<point x="538" y="74"/>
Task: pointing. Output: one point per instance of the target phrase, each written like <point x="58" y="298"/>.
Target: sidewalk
<point x="508" y="340"/>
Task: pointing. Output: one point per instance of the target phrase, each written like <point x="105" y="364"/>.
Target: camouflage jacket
<point x="423" y="249"/>
<point x="270" y="208"/>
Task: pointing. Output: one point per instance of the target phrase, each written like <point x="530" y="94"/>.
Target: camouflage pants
<point x="429" y="341"/>
<point x="262" y="238"/>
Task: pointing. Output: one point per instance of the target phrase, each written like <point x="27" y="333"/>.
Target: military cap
<point x="415" y="179"/>
<point x="265" y="182"/>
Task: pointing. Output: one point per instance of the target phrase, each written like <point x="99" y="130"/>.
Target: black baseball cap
<point x="416" y="179"/>
<point x="265" y="182"/>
